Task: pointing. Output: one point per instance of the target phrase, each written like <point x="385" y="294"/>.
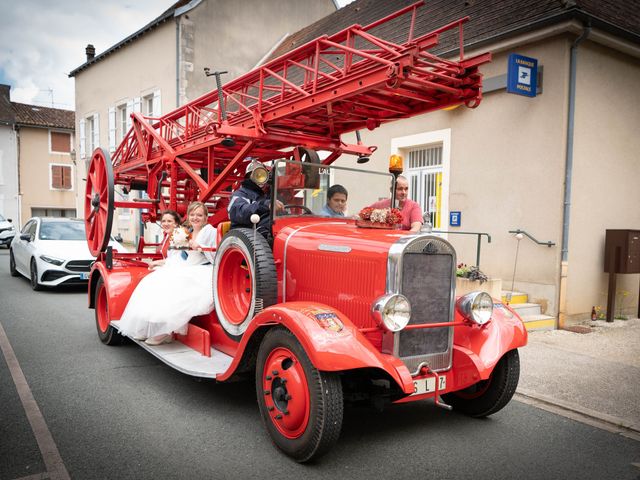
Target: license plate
<point x="84" y="276"/>
<point x="428" y="385"/>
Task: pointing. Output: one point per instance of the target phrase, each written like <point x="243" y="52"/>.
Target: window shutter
<point x="112" y="129"/>
<point x="157" y="108"/>
<point x="56" y="176"/>
<point x="83" y="148"/>
<point x="66" y="177"/>
<point x="60" y="142"/>
<point x="129" y="111"/>
<point x="96" y="131"/>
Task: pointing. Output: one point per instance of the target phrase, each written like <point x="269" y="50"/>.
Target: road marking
<point x="50" y="455"/>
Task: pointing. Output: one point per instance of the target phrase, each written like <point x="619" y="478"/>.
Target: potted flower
<point x="472" y="279"/>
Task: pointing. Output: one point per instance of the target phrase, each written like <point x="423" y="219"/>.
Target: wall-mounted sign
<point x="455" y="219"/>
<point x="522" y="75"/>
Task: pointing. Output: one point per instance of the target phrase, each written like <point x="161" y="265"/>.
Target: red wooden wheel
<point x="286" y="391"/>
<point x="98" y="202"/>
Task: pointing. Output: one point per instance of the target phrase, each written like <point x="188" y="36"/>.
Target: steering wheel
<point x="291" y="206"/>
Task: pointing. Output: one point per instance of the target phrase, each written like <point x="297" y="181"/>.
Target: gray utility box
<point x="622" y="251"/>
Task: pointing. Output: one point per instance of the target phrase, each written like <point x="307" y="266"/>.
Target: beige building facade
<point x="162" y="66"/>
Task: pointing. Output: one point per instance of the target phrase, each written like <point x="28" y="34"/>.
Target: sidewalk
<point x="596" y="374"/>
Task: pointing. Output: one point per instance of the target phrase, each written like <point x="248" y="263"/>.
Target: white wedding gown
<point x="167" y="298"/>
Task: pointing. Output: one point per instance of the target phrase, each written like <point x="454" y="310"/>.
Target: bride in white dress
<point x="165" y="300"/>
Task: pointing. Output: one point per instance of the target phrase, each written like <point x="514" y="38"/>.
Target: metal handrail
<point x="479" y="234"/>
<point x="548" y="244"/>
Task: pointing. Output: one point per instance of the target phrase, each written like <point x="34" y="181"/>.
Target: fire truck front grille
<point x="427" y="281"/>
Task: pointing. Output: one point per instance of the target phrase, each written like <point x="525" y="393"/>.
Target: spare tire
<point x="245" y="279"/>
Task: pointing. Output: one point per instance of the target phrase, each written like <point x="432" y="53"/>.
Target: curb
<point x="611" y="420"/>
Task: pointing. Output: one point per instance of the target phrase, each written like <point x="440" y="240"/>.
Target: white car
<point x="52" y="252"/>
<point x="7" y="231"/>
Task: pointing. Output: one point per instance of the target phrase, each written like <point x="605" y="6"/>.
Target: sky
<point x="41" y="41"/>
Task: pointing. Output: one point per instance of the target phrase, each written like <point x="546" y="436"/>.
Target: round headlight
<point x="260" y="175"/>
<point x="476" y="306"/>
<point x="392" y="311"/>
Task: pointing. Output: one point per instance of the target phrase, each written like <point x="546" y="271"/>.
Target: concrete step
<point x="539" y="322"/>
<point x="525" y="309"/>
<point x="516" y="297"/>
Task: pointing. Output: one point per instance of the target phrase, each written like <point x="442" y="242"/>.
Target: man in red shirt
<point x="411" y="212"/>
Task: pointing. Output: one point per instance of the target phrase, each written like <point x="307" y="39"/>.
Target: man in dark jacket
<point x="251" y="198"/>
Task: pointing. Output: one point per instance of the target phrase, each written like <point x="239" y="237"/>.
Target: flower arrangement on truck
<point x="332" y="310"/>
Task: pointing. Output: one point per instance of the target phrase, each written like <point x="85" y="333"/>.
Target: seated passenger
<point x="336" y="202"/>
<point x="168" y="221"/>
<point x="252" y="197"/>
<point x="166" y="299"/>
<point x="410" y="210"/>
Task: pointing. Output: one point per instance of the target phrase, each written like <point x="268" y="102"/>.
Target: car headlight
<point x="392" y="311"/>
<point x="53" y="260"/>
<point x="476" y="306"/>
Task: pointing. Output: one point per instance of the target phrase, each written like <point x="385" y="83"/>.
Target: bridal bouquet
<point x="180" y="238"/>
<point x="380" y="217"/>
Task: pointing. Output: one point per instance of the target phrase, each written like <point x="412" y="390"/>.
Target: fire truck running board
<point x="185" y="359"/>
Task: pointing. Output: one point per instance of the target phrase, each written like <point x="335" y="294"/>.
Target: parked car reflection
<point x="52" y="252"/>
<point x="7" y="231"/>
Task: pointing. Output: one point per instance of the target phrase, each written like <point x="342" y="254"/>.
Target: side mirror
<point x="9" y="220"/>
<point x="118" y="238"/>
<point x="25" y="236"/>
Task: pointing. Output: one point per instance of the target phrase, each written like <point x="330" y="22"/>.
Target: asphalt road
<point x="117" y="413"/>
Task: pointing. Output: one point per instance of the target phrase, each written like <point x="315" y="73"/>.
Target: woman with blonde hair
<point x="165" y="300"/>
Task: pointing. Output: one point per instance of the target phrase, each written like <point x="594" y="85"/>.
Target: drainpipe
<point x="566" y="214"/>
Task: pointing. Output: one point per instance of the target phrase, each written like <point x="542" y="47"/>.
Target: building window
<point x="59" y="142"/>
<point x="90" y="129"/>
<point x="60" y="176"/>
<point x="122" y="121"/>
<point x="53" y="212"/>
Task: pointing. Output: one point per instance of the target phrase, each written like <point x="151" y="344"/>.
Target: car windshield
<point x="2" y="219"/>
<point x="62" y="231"/>
<point x="304" y="189"/>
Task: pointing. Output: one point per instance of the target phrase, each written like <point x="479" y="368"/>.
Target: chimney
<point x="91" y="52"/>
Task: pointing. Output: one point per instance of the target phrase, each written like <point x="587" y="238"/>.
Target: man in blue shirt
<point x="336" y="202"/>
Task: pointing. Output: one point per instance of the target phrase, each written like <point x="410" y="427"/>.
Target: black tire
<point x="107" y="334"/>
<point x="33" y="277"/>
<point x="489" y="396"/>
<point x="237" y="301"/>
<point x="12" y="265"/>
<point x="323" y="407"/>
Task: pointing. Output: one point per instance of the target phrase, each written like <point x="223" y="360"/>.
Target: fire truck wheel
<point x="245" y="279"/>
<point x="489" y="396"/>
<point x="98" y="201"/>
<point x="33" y="278"/>
<point x="301" y="406"/>
<point x="107" y="334"/>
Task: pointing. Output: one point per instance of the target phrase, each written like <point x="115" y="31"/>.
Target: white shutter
<point x="156" y="104"/>
<point x="96" y="131"/>
<point x="112" y="129"/>
<point x="83" y="144"/>
<point x="136" y="104"/>
<point x="129" y="110"/>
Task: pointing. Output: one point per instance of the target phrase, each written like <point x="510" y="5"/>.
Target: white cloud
<point x="42" y="41"/>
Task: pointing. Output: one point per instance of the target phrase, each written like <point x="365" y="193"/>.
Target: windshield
<point x="62" y="231"/>
<point x="327" y="191"/>
<point x="2" y="219"/>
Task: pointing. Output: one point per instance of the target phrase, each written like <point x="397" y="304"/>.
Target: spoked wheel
<point x="98" y="202"/>
<point x="489" y="396"/>
<point x="33" y="278"/>
<point x="107" y="334"/>
<point x="245" y="279"/>
<point x="301" y="406"/>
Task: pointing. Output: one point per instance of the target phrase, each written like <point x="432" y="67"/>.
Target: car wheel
<point x="12" y="265"/>
<point x="35" y="284"/>
<point x="245" y="280"/>
<point x="489" y="396"/>
<point x="107" y="334"/>
<point x="301" y="406"/>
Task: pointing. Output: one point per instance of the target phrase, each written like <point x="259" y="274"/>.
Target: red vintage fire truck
<point x="334" y="310"/>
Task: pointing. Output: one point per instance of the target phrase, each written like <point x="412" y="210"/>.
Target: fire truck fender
<point x="120" y="283"/>
<point x="332" y="342"/>
<point x="477" y="349"/>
